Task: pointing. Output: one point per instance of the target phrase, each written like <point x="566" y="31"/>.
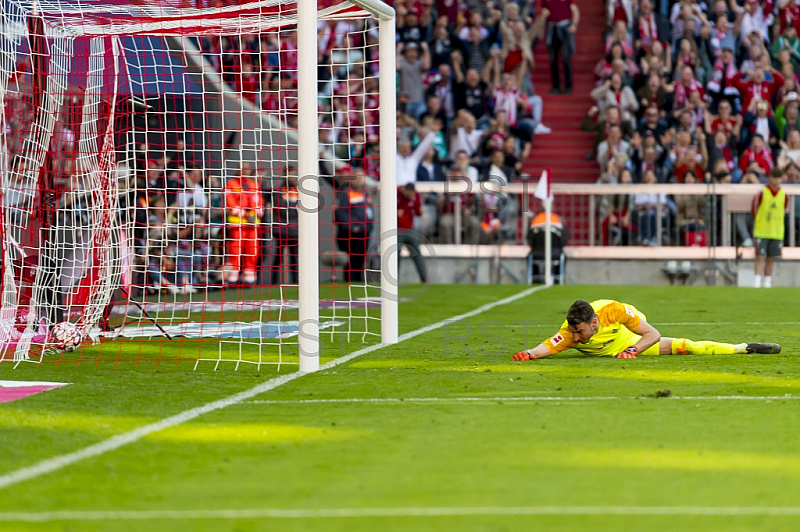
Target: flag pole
<point x="544" y="193"/>
<point x="548" y="242"/>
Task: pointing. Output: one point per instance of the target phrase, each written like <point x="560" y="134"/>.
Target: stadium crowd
<point x="693" y="92"/>
<point x="466" y="109"/>
<point x="686" y="92"/>
<point x="466" y="104"/>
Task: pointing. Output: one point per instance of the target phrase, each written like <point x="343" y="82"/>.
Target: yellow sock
<point x="682" y="346"/>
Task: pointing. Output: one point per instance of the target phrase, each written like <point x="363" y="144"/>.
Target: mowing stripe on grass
<point x="115" y="442"/>
<point x="520" y="399"/>
<point x="327" y="513"/>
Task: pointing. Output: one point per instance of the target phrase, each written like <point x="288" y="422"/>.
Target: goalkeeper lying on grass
<point x="607" y="327"/>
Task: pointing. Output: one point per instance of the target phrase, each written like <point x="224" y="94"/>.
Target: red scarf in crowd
<point x="682" y="93"/>
<point x="619" y="12"/>
<point x="727" y="154"/>
<point x="648" y="31"/>
<point x="763" y="158"/>
<point x="728" y="71"/>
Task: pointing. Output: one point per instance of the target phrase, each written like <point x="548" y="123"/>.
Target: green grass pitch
<point x="436" y="434"/>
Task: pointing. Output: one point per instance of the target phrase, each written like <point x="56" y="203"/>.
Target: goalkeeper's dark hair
<point x="580" y="312"/>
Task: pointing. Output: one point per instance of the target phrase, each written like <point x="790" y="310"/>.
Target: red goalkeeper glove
<point x="523" y="355"/>
<point x="630" y="352"/>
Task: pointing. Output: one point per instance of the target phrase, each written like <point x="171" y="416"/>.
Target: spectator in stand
<point x="444" y="44"/>
<point x="694" y="160"/>
<point x="601" y="127"/>
<point x="610" y="175"/>
<point x="682" y="14"/>
<point x="647" y="207"/>
<point x="757" y="157"/>
<point x="471" y="90"/>
<point x="691" y="211"/>
<point x="429" y="169"/>
<point x="449" y="202"/>
<point x="408" y="160"/>
<point x="410" y="32"/>
<point x="512" y="159"/>
<point x="683" y="89"/>
<point x="562" y="23"/>
<point x="787" y="117"/>
<point x="354" y="216"/>
<point x="720" y="86"/>
<point x="657" y="60"/>
<point x="412" y="67"/>
<point x="409" y="205"/>
<point x="621" y="36"/>
<point x="788" y="41"/>
<point x="759" y="122"/>
<point x="677" y="150"/>
<point x="244" y="203"/>
<point x="756" y="53"/>
<point x="613" y="92"/>
<point x="466" y="138"/>
<point x="433" y="109"/>
<point x="160" y="267"/>
<point x="790" y="150"/>
<point x="689" y="55"/>
<point x="470" y="172"/>
<point x="509" y="99"/>
<point x="649" y="162"/>
<point x="617" y="226"/>
<point x="613" y="146"/>
<point x="193" y="195"/>
<point x="725" y="121"/>
<point x="723" y="150"/>
<point x="620" y="11"/>
<point x="648" y="28"/>
<point x="285" y="231"/>
<point x="605" y="67"/>
<point x="723" y="30"/>
<point x="516" y="55"/>
<point x="719" y="12"/>
<point x="191" y="249"/>
<point x="651" y="122"/>
<point x="496" y="169"/>
<point x="434" y="125"/>
<point x="442" y="88"/>
<point x="475" y="23"/>
<point x="754" y="18"/>
<point x="477" y="49"/>
<point x="753" y="85"/>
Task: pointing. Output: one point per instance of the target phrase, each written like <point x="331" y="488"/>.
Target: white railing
<point x="579" y="203"/>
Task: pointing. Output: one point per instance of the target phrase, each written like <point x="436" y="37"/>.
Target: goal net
<point x="152" y="200"/>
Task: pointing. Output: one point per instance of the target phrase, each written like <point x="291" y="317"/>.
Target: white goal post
<point x="88" y="62"/>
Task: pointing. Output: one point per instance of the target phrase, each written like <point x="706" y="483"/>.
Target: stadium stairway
<point x="564" y="150"/>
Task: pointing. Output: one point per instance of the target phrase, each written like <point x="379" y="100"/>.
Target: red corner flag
<point x="543" y="187"/>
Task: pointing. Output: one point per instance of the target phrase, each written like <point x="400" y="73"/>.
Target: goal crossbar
<point x="101" y="18"/>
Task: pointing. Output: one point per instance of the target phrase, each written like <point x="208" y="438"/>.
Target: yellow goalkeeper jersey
<point x="617" y="322"/>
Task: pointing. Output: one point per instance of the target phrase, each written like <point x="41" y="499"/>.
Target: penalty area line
<point x="55" y="463"/>
<point x="328" y="513"/>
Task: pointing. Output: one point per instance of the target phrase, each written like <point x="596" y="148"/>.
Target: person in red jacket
<point x="758" y="153"/>
<point x="754" y="85"/>
<point x="244" y="208"/>
<point x="409" y="204"/>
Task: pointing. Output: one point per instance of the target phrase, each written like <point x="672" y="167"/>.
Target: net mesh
<point x="150" y="184"/>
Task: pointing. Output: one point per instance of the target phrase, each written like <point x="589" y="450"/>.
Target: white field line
<point x="523" y="399"/>
<point x="279" y="513"/>
<point x="657" y="324"/>
<point x="120" y="440"/>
